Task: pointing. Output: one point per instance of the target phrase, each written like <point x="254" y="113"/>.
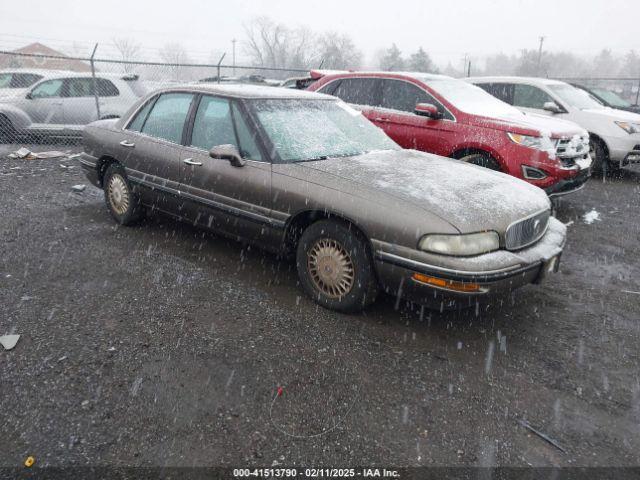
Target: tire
<point x="347" y="281"/>
<point x="599" y="157"/>
<point x="123" y="203"/>
<point x="482" y="160"/>
<point x="8" y="134"/>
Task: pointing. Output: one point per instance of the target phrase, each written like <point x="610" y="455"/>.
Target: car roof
<point x="415" y="75"/>
<point x="37" y="71"/>
<point x="53" y="74"/>
<point x="248" y="91"/>
<point x="514" y="79"/>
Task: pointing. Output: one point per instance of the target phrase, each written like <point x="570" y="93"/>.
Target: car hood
<point x="469" y="197"/>
<point x="614" y="114"/>
<point x="528" y="123"/>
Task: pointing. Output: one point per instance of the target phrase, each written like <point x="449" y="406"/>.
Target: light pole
<point x="540" y="54"/>
<point x="233" y="42"/>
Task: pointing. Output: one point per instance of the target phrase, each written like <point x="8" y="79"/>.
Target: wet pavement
<point x="164" y="345"/>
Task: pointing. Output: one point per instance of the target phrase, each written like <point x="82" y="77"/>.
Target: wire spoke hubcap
<point x="331" y="268"/>
<point x="118" y="193"/>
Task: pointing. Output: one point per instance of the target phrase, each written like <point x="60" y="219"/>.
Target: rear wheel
<point x="482" y="160"/>
<point x="123" y="203"/>
<point x="335" y="266"/>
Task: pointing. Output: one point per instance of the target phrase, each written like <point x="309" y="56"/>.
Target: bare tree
<point x="338" y="52"/>
<point x="271" y="44"/>
<point x="128" y="50"/>
<point x="175" y="55"/>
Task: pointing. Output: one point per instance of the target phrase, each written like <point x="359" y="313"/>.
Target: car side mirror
<point x="228" y="152"/>
<point x="428" y="110"/>
<point x="29" y="96"/>
<point x="551" y="107"/>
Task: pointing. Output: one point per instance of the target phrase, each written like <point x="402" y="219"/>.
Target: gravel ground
<point x="161" y="345"/>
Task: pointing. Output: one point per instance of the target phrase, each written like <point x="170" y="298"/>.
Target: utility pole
<point x="540" y="53"/>
<point x="464" y="63"/>
<point x="233" y="42"/>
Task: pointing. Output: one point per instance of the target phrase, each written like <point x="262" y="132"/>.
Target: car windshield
<point x="575" y="97"/>
<point x="471" y="99"/>
<point x="304" y="130"/>
<point x="611" y="98"/>
<point x="18" y="80"/>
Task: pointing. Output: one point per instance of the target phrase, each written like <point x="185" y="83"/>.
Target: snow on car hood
<point x="469" y="197"/>
<point x="551" y="127"/>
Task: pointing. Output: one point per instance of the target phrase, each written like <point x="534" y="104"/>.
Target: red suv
<point x="452" y="118"/>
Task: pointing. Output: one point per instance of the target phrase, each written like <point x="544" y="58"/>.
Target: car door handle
<point x="189" y="161"/>
<point x="381" y="120"/>
<point x="126" y="143"/>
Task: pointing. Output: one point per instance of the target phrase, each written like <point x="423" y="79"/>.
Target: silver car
<point x="58" y="103"/>
<point x="304" y="173"/>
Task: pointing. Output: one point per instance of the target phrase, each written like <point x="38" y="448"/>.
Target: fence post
<point x="95" y="82"/>
<point x="220" y="63"/>
<point x="638" y="92"/>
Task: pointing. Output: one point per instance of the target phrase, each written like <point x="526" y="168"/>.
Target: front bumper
<point x="569" y="185"/>
<point x="624" y="150"/>
<point x="496" y="272"/>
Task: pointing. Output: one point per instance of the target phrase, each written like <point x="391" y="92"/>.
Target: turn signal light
<point x="447" y="284"/>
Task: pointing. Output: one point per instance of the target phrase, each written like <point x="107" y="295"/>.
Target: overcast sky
<point x="446" y="29"/>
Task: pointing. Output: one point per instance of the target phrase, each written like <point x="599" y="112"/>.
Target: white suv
<point x="614" y="134"/>
<point x="59" y="104"/>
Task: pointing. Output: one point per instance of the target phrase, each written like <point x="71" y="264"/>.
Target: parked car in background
<point x="297" y="171"/>
<point x="60" y="104"/>
<point x="253" y="79"/>
<point x="614" y="134"/>
<point x="449" y="117"/>
<point x="14" y="81"/>
<point x="609" y="98"/>
<point x="299" y="83"/>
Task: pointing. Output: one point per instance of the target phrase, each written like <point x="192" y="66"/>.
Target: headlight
<point x="460" y="245"/>
<point x="543" y="143"/>
<point x="629" y="127"/>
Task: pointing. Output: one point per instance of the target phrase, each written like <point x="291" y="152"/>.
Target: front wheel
<point x="599" y="158"/>
<point x="482" y="160"/>
<point x="335" y="266"/>
<point x="123" y="203"/>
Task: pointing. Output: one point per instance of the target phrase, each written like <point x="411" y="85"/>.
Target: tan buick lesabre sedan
<point x="304" y="173"/>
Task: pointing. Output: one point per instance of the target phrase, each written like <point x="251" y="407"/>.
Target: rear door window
<point x="359" y="91"/>
<point x="167" y="117"/>
<point x="84" y="87"/>
<point x="106" y="88"/>
<point x="79" y="87"/>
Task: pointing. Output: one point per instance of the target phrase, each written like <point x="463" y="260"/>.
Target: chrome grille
<point x="568" y="149"/>
<point x="526" y="231"/>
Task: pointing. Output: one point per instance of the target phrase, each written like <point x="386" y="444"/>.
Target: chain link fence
<point x="50" y="98"/>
